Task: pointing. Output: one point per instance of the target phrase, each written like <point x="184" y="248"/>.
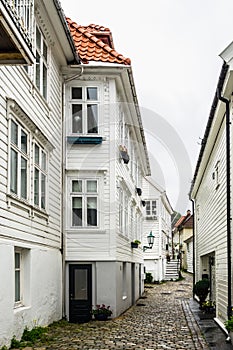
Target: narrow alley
<point x="160" y="320"/>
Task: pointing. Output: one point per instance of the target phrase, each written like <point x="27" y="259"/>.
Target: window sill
<point x="20" y="308"/>
<point x="84" y="140"/>
<point x="85" y="230"/>
<point x="14" y="201"/>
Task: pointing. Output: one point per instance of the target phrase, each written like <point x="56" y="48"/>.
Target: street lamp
<point x="150" y="240"/>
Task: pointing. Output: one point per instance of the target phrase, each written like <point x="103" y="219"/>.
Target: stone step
<point x="172" y="268"/>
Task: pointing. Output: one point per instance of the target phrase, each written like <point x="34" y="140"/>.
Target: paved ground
<point x="164" y="320"/>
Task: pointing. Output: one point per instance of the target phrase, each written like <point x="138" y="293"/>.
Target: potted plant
<point x="201" y="290"/>
<point x="101" y="312"/>
<point x="124" y="154"/>
<point x="229" y="327"/>
<point x="135" y="243"/>
<point x="209" y="306"/>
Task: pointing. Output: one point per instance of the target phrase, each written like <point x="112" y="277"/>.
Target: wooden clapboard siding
<point x="16" y="222"/>
<point x="211" y="230"/>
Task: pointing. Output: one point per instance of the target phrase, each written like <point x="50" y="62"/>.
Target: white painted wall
<point x="36" y="232"/>
<point x="107" y="246"/>
<point x="155" y="258"/>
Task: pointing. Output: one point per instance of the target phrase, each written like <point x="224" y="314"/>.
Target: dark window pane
<point x="92" y="119"/>
<point x="91" y="93"/>
<point x="37" y="155"/>
<point x="45" y="51"/>
<point x="76" y="93"/>
<point x="14" y="168"/>
<point x="23" y="141"/>
<point x="77" y="121"/>
<point x="37" y="70"/>
<point x="43" y="184"/>
<point x="36" y="186"/>
<point x="17" y="286"/>
<point x="77" y="186"/>
<point x="44" y="81"/>
<point x="92" y="211"/>
<point x="14" y="133"/>
<point x="38" y="38"/>
<point x="23" y="178"/>
<point x="76" y="211"/>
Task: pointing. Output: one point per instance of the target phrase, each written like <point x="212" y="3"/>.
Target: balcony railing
<point x="21" y="12"/>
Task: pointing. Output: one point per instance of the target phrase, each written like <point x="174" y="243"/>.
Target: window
<point x="40" y="176"/>
<point x="41" y="63"/>
<point x="19" y="158"/>
<point x="28" y="166"/>
<point x="21" y="276"/>
<point x="84" y="110"/>
<point x="18" y="277"/>
<point x="151" y="208"/>
<point x="84" y="203"/>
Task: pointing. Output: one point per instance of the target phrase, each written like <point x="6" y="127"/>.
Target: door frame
<point x="93" y="292"/>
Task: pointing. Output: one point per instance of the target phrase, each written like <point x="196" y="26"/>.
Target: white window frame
<point x="19" y="301"/>
<point x="152" y="213"/>
<point x="20" y="118"/>
<point x="84" y="102"/>
<point x="20" y="154"/>
<point x="41" y="62"/>
<point x="84" y="194"/>
<point x="42" y="173"/>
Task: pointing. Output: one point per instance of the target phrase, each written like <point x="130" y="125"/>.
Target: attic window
<point x="105" y="39"/>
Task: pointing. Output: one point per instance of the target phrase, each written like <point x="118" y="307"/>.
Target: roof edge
<point x="219" y="88"/>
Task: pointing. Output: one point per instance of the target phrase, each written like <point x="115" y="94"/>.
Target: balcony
<point x="16" y="21"/>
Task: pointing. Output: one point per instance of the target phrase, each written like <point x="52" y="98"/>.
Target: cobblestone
<point x="163" y="322"/>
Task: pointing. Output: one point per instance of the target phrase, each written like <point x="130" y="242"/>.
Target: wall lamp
<point x="150" y="240"/>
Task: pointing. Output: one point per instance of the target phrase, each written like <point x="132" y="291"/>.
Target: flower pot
<point x="134" y="245"/>
<point x="101" y="317"/>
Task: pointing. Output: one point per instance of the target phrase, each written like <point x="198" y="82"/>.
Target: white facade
<point x="157" y="219"/>
<point x="103" y="209"/>
<point x="31" y="179"/>
<point x="209" y="191"/>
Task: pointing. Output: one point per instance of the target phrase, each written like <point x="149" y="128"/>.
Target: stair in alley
<point x="172" y="270"/>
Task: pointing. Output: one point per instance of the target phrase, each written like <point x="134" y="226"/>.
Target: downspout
<point x="63" y="250"/>
<point x="228" y="189"/>
<point x="194" y="260"/>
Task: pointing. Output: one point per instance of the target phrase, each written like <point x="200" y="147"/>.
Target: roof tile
<point x="94" y="43"/>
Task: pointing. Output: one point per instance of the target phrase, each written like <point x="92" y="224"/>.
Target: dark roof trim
<point x="67" y="31"/>
<point x="221" y="80"/>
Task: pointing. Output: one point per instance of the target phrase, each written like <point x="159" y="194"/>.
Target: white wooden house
<point x="183" y="241"/>
<point x="105" y="161"/>
<point x="211" y="192"/>
<point x="157" y="220"/>
<point x="31" y="161"/>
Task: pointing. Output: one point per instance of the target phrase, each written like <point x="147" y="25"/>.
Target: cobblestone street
<point x="160" y="320"/>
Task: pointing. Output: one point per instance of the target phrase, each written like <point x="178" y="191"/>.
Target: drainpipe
<point x="228" y="189"/>
<point x="194" y="260"/>
<point x="65" y="81"/>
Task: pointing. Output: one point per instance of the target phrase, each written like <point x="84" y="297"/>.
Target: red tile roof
<point x="94" y="43"/>
<point x="185" y="221"/>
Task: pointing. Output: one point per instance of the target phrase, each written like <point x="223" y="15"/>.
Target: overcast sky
<point x="174" y="47"/>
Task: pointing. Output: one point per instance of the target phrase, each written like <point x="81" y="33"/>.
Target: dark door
<point x="133" y="283"/>
<point x="80" y="293"/>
